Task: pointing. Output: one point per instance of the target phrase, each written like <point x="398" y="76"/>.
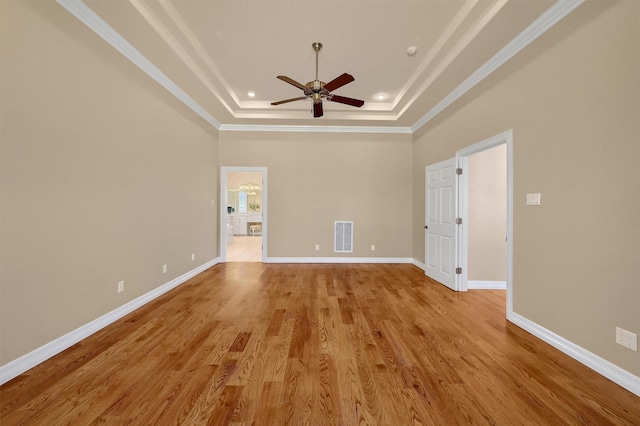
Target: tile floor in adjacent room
<point x="245" y="249"/>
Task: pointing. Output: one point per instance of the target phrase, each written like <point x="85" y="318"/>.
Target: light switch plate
<point x="534" y="199"/>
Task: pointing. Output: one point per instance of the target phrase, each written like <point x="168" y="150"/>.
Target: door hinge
<point x="458" y="221"/>
<point x="458" y="171"/>
<point x="458" y="271"/>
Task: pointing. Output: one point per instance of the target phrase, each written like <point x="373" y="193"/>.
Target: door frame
<point x="462" y="159"/>
<point x="222" y="223"/>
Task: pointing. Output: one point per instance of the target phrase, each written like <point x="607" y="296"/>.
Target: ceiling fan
<point x="318" y="90"/>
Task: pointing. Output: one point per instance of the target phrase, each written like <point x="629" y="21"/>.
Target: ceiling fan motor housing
<point x="316" y="89"/>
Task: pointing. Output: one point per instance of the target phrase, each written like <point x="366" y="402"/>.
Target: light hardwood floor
<point x="245" y="248"/>
<point x="265" y="344"/>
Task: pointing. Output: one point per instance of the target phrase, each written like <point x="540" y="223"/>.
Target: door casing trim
<point x="462" y="156"/>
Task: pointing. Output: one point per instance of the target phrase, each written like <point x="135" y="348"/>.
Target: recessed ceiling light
<point x="380" y="96"/>
<point x="251" y="94"/>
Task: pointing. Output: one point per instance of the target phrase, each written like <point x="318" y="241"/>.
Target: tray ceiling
<point x="212" y="54"/>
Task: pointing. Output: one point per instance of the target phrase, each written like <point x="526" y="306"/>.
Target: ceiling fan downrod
<point x="317" y="84"/>
<point x="317" y="46"/>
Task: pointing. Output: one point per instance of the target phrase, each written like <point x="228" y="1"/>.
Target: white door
<point x="440" y="226"/>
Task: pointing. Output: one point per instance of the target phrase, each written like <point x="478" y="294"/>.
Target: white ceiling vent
<point x="343" y="237"/>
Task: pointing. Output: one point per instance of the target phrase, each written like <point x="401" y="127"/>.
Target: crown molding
<point x="88" y="17"/>
<point x="318" y="129"/>
<point x="554" y="14"/>
<point x="549" y="18"/>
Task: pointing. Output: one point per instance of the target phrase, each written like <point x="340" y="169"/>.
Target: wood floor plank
<point x="345" y="344"/>
<point x="251" y="356"/>
<point x="328" y="405"/>
<point x="205" y="405"/>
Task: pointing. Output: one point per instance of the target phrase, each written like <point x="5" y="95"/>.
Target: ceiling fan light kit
<point x="318" y="90"/>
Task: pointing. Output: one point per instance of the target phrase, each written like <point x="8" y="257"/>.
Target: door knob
<point x="426" y="227"/>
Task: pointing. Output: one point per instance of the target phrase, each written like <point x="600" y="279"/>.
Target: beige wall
<point x="105" y="177"/>
<point x="315" y="179"/>
<point x="487" y="215"/>
<point x="573" y="103"/>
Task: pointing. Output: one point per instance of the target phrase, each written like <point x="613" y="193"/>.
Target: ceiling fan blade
<point x="288" y="100"/>
<point x="317" y="110"/>
<point x="339" y="82"/>
<point x="348" y="101"/>
<point x="292" y="82"/>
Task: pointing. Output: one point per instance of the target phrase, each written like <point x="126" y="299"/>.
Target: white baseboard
<point x="338" y="260"/>
<point x="20" y="365"/>
<point x="486" y="285"/>
<point x="419" y="264"/>
<point x="611" y="371"/>
<point x="15" y="368"/>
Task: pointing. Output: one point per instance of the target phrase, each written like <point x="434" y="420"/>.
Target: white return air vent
<point x="343" y="237"/>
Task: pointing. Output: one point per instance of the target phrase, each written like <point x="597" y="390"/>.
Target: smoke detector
<point x="411" y="50"/>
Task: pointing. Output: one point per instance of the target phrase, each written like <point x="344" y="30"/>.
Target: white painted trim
<point x="509" y="135"/>
<point x="549" y="18"/>
<point x="462" y="155"/>
<point x="545" y="21"/>
<point x="339" y="260"/>
<point x="419" y="264"/>
<point x="437" y="275"/>
<point x="317" y="129"/>
<point x="18" y="366"/>
<point x="91" y="19"/>
<point x="222" y="239"/>
<point x="611" y="371"/>
<point x="486" y="285"/>
<point x="462" y="212"/>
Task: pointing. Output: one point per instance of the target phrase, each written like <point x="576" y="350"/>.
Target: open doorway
<point x="487" y="219"/>
<point x="497" y="150"/>
<point x="243" y="214"/>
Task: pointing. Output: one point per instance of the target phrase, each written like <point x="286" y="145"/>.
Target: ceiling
<point x="211" y="54"/>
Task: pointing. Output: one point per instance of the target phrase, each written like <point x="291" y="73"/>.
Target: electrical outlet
<point x="317" y="247"/>
<point x="164" y="269"/>
<point x="373" y="247"/>
<point x="627" y="339"/>
<point x="193" y="256"/>
<point x="120" y="286"/>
